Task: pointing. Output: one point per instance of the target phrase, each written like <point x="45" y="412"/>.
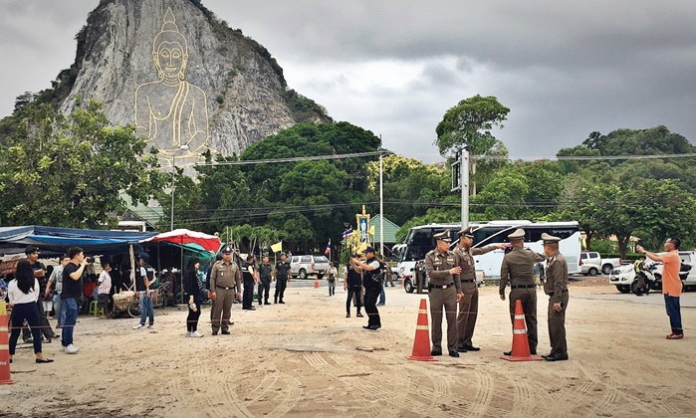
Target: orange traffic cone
<point x="520" y="343"/>
<point x="421" y="344"/>
<point x="316" y="282"/>
<point x="4" y="347"/>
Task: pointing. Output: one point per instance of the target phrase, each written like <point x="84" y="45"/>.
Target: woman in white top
<point x="23" y="293"/>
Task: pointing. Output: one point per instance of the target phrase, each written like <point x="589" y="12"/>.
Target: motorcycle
<point x="648" y="276"/>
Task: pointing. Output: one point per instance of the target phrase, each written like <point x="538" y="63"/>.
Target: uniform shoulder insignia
<point x="431" y="252"/>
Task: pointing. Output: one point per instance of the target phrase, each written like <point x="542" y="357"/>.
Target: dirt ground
<point x="306" y="359"/>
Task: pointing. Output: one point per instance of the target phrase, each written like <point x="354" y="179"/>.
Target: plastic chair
<point x="94" y="308"/>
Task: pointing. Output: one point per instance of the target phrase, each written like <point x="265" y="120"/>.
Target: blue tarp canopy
<point x="55" y="239"/>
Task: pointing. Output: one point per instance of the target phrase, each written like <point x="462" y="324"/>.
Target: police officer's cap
<point x="550" y="239"/>
<point x="517" y="235"/>
<point x="227" y="250"/>
<point x="468" y="232"/>
<point x="443" y="236"/>
<point x="369" y="250"/>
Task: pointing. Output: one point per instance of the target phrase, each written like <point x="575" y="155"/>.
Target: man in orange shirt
<point x="671" y="284"/>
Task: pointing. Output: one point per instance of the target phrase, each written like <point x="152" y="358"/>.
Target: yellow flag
<point x="278" y="247"/>
<point x="372" y="230"/>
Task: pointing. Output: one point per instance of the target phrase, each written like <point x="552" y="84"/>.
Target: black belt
<point x="468" y="281"/>
<point x="226" y="288"/>
<point x="561" y="292"/>
<point x="433" y="286"/>
<point x="523" y="286"/>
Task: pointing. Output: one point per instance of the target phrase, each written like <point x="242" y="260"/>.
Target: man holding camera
<point x="71" y="295"/>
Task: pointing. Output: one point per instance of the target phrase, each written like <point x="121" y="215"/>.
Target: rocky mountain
<point x="182" y="76"/>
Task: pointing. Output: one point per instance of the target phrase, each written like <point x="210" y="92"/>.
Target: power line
<point x="295" y="159"/>
<point x="584" y="157"/>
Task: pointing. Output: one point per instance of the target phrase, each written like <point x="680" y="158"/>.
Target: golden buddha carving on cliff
<point x="172" y="112"/>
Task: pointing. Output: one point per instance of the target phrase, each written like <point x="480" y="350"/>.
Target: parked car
<point x="592" y="263"/>
<point x="305" y="265"/>
<point x="624" y="276"/>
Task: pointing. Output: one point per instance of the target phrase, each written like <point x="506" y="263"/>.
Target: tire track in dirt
<point x="523" y="402"/>
<point x="347" y="361"/>
<point x="217" y="391"/>
<point x="614" y="392"/>
<point x="484" y="394"/>
<point x="370" y="391"/>
<point x="292" y="395"/>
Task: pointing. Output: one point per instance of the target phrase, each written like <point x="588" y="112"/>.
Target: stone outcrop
<point x="182" y="76"/>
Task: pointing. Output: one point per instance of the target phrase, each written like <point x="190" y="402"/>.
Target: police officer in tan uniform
<point x="225" y="281"/>
<point x="518" y="270"/>
<point x="556" y="286"/>
<point x="468" y="306"/>
<point x="441" y="266"/>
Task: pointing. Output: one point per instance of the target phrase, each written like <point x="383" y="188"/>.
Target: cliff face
<point x="183" y="77"/>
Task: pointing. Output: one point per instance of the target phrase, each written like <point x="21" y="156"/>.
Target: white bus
<point x="420" y="240"/>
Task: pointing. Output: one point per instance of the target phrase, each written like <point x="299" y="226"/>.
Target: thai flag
<point x="348" y="233"/>
<point x="328" y="248"/>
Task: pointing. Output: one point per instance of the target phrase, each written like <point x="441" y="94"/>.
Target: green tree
<point x="470" y="123"/>
<point x="70" y="171"/>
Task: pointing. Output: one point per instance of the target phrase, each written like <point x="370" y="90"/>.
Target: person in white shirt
<point x="57" y="278"/>
<point x="104" y="289"/>
<point x="23" y="292"/>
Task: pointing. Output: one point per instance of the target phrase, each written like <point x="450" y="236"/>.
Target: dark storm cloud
<point x="564" y="68"/>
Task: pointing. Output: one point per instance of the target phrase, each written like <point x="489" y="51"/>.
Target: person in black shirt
<point x="193" y="295"/>
<point x="248" y="276"/>
<point x="265" y="270"/>
<point x="372" y="282"/>
<point x="282" y="275"/>
<point x="352" y="283"/>
<point x="72" y="295"/>
<point x="144" y="278"/>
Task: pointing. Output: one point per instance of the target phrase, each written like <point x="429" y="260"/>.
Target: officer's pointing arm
<point x="504" y="277"/>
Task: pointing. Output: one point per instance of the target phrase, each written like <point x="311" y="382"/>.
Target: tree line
<point x="76" y="170"/>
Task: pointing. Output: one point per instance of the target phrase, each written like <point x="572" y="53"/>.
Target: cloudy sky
<point x="564" y="68"/>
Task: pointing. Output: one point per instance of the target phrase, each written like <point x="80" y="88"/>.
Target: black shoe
<point x="215" y="332"/>
<point x="532" y="352"/>
<point x="557" y="357"/>
<point x="507" y="353"/>
<point x="44" y="360"/>
<point x="462" y="349"/>
<point x="371" y="327"/>
<point x="471" y="348"/>
<point x="436" y="353"/>
<point x="266" y="303"/>
<point x="282" y="302"/>
<point x="225" y="333"/>
<point x="454" y="353"/>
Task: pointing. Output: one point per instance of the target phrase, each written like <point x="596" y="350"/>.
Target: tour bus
<point x="419" y="242"/>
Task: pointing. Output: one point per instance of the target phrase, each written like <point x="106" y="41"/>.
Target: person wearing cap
<point x="265" y="271"/>
<point x="225" y="281"/>
<point x="371" y="270"/>
<point x="144" y="278"/>
<point x="282" y="275"/>
<point x="442" y="267"/>
<point x="518" y="270"/>
<point x="556" y="286"/>
<point x="249" y="279"/>
<point x="468" y="306"/>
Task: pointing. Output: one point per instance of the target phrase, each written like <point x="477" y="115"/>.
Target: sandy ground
<point x="306" y="359"/>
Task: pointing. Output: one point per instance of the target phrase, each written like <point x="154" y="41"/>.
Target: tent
<point x="189" y="239"/>
<point x="54" y="239"/>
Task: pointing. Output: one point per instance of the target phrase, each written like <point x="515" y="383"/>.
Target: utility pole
<point x="381" y="204"/>
<point x="464" y="184"/>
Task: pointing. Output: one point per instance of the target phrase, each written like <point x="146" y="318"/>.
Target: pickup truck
<point x="592" y="263"/>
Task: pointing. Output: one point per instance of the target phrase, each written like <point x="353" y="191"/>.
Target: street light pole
<point x="181" y="148"/>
